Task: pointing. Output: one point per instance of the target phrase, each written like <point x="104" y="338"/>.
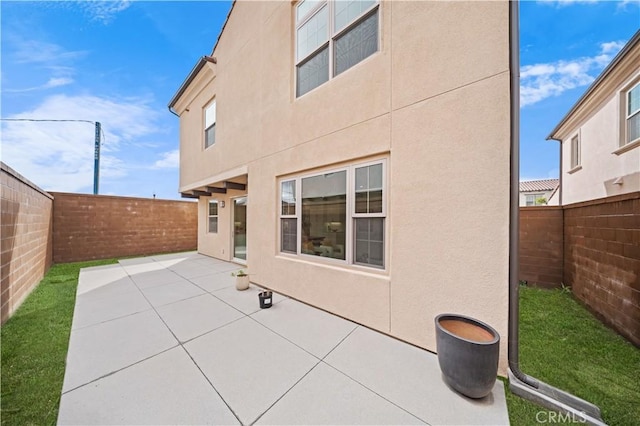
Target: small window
<point x="633" y="115"/>
<point x="288" y="218"/>
<point x="213" y="216"/>
<point x="210" y="125"/>
<point x="575" y="151"/>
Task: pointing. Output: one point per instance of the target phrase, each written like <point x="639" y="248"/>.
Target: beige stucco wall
<point x="434" y="101"/>
<point x="599" y="123"/>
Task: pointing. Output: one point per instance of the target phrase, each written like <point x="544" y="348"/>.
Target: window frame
<point x="536" y="196"/>
<point x="215" y="120"/>
<point x="351" y="216"/>
<point x="282" y="216"/>
<point x="625" y="140"/>
<point x="209" y="216"/>
<point x="575" y="157"/>
<point x="331" y="37"/>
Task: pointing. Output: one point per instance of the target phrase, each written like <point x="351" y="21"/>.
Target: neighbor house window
<point x="213" y="216"/>
<point x="210" y="124"/>
<point x="535" y="199"/>
<point x="633" y="115"/>
<point x="338" y="215"/>
<point x="575" y="151"/>
<point x="331" y="37"/>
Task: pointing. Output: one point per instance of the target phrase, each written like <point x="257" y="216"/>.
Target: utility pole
<point x="96" y="162"/>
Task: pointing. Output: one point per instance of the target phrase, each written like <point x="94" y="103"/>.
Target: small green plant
<point x="240" y="273"/>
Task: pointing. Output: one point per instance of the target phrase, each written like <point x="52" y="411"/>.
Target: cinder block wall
<point x="25" y="237"/>
<point x="541" y="248"/>
<point x="602" y="259"/>
<point x="90" y="227"/>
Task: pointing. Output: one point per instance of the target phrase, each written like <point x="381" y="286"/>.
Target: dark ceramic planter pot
<point x="266" y="299"/>
<point x="468" y="352"/>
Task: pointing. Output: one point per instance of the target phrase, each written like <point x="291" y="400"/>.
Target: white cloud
<point x="562" y="3"/>
<point x="41" y="52"/>
<point x="541" y="81"/>
<point x="59" y="156"/>
<point x="49" y="59"/>
<point x="169" y="160"/>
<point x="53" y="82"/>
<point x="104" y="10"/>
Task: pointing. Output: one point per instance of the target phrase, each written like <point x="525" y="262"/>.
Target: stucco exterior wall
<point x="600" y="166"/>
<point x="605" y="169"/>
<point x="433" y="101"/>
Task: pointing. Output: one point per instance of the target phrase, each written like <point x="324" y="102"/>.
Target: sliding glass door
<point x="240" y="228"/>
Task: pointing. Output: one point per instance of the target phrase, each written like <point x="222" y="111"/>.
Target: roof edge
<point x="192" y="75"/>
<point x="201" y="62"/>
<point x="623" y="52"/>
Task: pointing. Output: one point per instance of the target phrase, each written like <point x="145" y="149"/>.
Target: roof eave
<point x="192" y="75"/>
<point x="619" y="57"/>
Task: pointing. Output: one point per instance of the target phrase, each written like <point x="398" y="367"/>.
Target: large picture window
<point x="331" y="37"/>
<point x="337" y="215"/>
<point x="210" y="125"/>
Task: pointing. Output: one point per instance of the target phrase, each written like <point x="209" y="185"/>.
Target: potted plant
<point x="468" y="352"/>
<point x="242" y="279"/>
<point x="266" y="298"/>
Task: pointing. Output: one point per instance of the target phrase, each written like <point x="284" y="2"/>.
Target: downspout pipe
<point x="521" y="384"/>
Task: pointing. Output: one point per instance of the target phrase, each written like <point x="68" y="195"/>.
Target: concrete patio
<point x="169" y="340"/>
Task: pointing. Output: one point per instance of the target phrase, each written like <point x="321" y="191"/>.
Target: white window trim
<point x="351" y="216"/>
<point x="288" y="216"/>
<point x="627" y="116"/>
<point x="536" y="196"/>
<point x="332" y="36"/>
<point x="204" y="121"/>
<point x="209" y="216"/>
<point x="574" y="163"/>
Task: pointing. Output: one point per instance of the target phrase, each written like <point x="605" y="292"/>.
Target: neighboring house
<point x="542" y="192"/>
<point x="600" y="136"/>
<point x="331" y="145"/>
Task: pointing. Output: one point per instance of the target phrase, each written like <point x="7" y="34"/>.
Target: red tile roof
<point x="539" y="185"/>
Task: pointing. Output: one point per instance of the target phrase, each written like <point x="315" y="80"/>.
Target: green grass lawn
<point x="562" y="344"/>
<point x="34" y="348"/>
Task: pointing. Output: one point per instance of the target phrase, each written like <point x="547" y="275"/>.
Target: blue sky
<point x="120" y="62"/>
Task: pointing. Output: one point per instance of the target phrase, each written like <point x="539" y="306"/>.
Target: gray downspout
<point x="519" y="383"/>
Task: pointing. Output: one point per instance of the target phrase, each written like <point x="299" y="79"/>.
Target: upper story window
<point x="331" y="37"/>
<point x="633" y="115"/>
<point x="210" y="124"/>
<point x="575" y="151"/>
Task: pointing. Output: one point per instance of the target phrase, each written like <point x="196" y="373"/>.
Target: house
<point x="600" y="135"/>
<point x="539" y="192"/>
<point x="330" y="146"/>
